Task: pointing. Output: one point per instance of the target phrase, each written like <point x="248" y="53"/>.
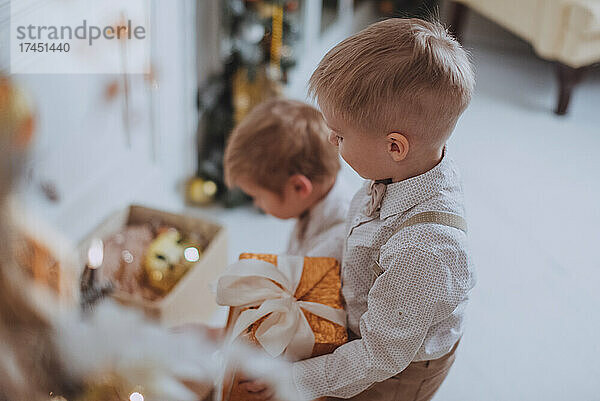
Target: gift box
<point x="290" y="306"/>
<point x="190" y="300"/>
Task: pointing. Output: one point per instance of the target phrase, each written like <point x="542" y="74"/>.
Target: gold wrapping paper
<point x="320" y="282"/>
<point x="39" y="263"/>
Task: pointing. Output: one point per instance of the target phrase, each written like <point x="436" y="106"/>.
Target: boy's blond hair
<point x="277" y="139"/>
<point x="398" y="75"/>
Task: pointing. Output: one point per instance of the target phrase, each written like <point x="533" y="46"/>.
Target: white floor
<point x="532" y="182"/>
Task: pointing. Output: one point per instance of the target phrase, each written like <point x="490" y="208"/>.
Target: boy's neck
<point x="419" y="164"/>
<point x="320" y="191"/>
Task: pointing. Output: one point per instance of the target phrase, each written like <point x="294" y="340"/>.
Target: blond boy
<point x="391" y="95"/>
<point x="280" y="156"/>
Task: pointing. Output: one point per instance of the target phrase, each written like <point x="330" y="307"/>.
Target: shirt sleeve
<point x="401" y="308"/>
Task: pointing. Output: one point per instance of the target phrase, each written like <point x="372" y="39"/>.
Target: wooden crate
<point x="191" y="300"/>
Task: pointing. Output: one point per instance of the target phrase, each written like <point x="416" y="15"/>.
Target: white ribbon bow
<point x="251" y="283"/>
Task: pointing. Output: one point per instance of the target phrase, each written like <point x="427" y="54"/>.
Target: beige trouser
<point x="418" y="382"/>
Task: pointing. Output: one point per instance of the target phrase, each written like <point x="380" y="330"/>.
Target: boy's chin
<point x="364" y="175"/>
<point x="282" y="216"/>
<point x="370" y="177"/>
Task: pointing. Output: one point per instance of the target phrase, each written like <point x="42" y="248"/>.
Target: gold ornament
<point x="249" y="93"/>
<point x="167" y="259"/>
<point x="17" y="121"/>
<point x="108" y="387"/>
<point x="200" y="191"/>
<point x="38" y="260"/>
<point x="103" y="391"/>
<point x="276" y="37"/>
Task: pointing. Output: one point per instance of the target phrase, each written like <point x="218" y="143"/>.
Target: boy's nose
<point x="333" y="139"/>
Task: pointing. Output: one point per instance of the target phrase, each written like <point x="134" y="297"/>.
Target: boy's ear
<point x="301" y="185"/>
<point x="397" y="146"/>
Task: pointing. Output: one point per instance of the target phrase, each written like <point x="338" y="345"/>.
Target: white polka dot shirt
<point x="414" y="310"/>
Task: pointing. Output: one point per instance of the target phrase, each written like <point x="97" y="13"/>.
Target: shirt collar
<point x="404" y="195"/>
<point x="327" y="211"/>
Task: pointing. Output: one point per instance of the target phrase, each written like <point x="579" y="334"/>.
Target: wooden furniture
<point x="565" y="32"/>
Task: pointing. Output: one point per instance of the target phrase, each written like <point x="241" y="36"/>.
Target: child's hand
<point x="256" y="389"/>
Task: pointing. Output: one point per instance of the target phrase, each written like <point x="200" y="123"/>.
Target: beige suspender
<point x="442" y="218"/>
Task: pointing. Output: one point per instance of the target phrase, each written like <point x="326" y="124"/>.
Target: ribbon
<point x="376" y="193"/>
<point x="252" y="283"/>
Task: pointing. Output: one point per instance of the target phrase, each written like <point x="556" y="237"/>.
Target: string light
<point x="136" y="397"/>
<point x="95" y="254"/>
<point x="191" y="254"/>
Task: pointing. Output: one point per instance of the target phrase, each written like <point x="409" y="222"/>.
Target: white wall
<point x="81" y="145"/>
<point x="314" y="43"/>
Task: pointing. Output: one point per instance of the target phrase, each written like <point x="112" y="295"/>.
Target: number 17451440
<point x="41" y="47"/>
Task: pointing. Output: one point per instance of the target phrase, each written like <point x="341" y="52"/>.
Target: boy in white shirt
<point x="391" y="95"/>
<point x="280" y="156"/>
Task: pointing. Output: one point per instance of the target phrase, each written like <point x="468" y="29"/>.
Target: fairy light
<point x="191" y="254"/>
<point x="136" y="397"/>
<point x="127" y="256"/>
<point x="209" y="188"/>
<point x="95" y="254"/>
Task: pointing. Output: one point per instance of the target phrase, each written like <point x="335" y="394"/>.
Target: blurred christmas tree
<point x="258" y="46"/>
<point x="408" y="8"/>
